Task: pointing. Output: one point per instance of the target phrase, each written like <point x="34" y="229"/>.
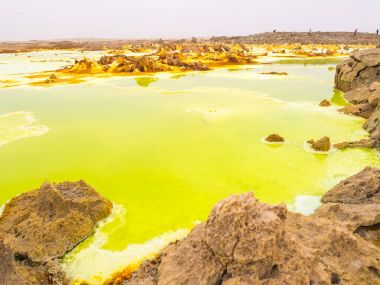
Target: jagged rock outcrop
<point x="361" y="69"/>
<point x="355" y="203"/>
<point x="360" y="78"/>
<point x="38" y="227"/>
<point x="246" y="242"/>
<point x="85" y="65"/>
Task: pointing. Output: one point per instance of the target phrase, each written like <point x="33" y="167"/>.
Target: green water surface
<point x="168" y="147"/>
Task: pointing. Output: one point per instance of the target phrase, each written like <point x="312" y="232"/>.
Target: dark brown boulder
<point x="325" y="103"/>
<point x="246" y="242"/>
<point x="322" y="144"/>
<point x="38" y="227"/>
<point x="275" y="138"/>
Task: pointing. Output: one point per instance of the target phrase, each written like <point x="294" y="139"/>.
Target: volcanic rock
<point x="274" y="138"/>
<point x="355" y="203"/>
<point x="323" y="144"/>
<point x="325" y="103"/>
<point x="85" y="66"/>
<point x="274" y="73"/>
<point x="373" y="125"/>
<point x="38" y="227"/>
<point x="361" y="69"/>
<point x="364" y="143"/>
<point x="363" y="110"/>
<point x="246" y="242"/>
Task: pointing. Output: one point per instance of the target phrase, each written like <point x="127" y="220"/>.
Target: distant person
<point x="377" y="32"/>
<point x="276" y="31"/>
<point x="356" y="32"/>
<point x="309" y="31"/>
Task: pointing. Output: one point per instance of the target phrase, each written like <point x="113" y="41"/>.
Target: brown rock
<point x="274" y="73"/>
<point x="358" y="95"/>
<point x="373" y="126"/>
<point x="364" y="143"/>
<point x="85" y="66"/>
<point x="360" y="70"/>
<point x="355" y="203"/>
<point x="323" y="144"/>
<point x="325" y="103"/>
<point x="274" y="138"/>
<point x="53" y="77"/>
<point x="369" y="57"/>
<point x="40" y="226"/>
<point x="245" y="242"/>
<point x="362" y="188"/>
<point x="363" y="110"/>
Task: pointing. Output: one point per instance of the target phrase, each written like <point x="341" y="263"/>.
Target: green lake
<point x="166" y="148"/>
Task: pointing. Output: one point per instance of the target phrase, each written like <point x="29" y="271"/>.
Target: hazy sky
<point x="53" y="19"/>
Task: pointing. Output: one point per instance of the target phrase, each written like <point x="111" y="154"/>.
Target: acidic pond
<point x="165" y="148"/>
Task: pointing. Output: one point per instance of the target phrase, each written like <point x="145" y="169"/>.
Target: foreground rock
<point x="355" y="203"/>
<point x="322" y="144"/>
<point x="39" y="227"/>
<point x="246" y="242"/>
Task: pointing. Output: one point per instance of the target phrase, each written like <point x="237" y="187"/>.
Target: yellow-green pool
<point x="166" y="148"/>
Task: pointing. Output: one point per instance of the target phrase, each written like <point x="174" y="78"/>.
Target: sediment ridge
<point x="261" y="38"/>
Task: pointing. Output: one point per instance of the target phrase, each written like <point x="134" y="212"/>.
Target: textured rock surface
<point x="246" y="242"/>
<point x="355" y="203"/>
<point x="322" y="144"/>
<point x="360" y="78"/>
<point x="274" y="138"/>
<point x="40" y="226"/>
<point x="361" y="69"/>
<point x="364" y="143"/>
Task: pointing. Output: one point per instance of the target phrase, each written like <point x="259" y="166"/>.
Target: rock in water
<point x="325" y="103"/>
<point x="38" y="227"/>
<point x="323" y="144"/>
<point x="274" y="138"/>
<point x="364" y="110"/>
<point x="246" y="242"/>
<point x="355" y="203"/>
<point x="364" y="143"/>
